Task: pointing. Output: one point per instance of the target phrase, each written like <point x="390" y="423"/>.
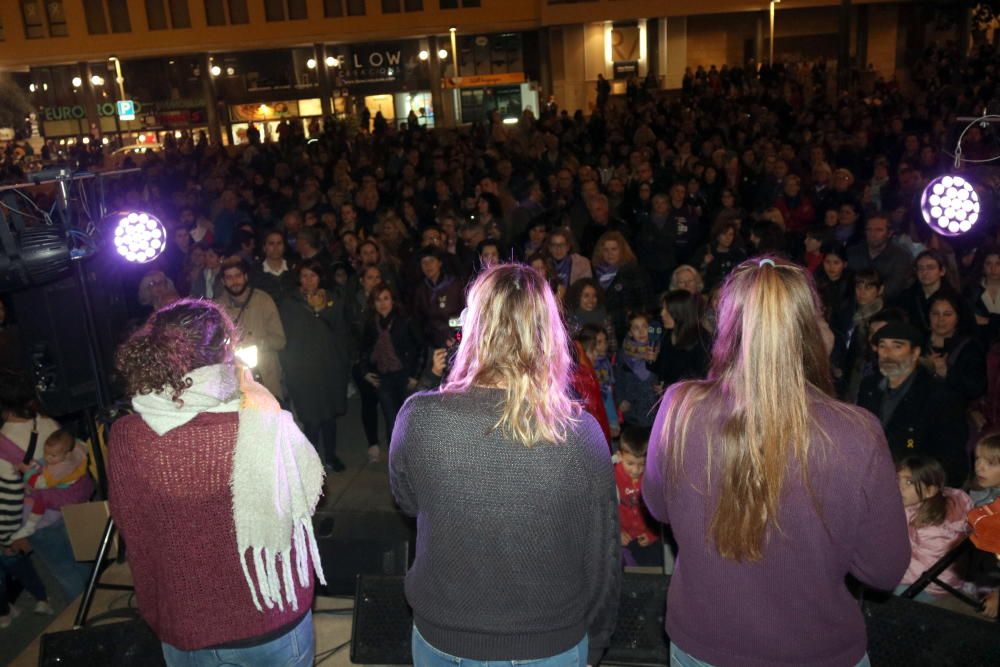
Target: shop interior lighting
<point x="311" y="63"/>
<point x="443" y="54"/>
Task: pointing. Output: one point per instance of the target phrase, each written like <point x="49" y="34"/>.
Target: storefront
<point x="153" y="121"/>
<point x="267" y="116"/>
<point x="476" y="97"/>
<point x="389" y="78"/>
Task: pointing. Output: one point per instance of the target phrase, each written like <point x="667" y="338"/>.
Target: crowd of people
<point x="344" y="259"/>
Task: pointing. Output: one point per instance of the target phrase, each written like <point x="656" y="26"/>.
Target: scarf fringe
<point x="274" y="588"/>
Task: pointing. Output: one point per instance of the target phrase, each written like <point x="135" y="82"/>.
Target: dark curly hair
<point x="175" y="340"/>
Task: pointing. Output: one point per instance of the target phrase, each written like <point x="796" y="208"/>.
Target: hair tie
<point x="767" y="261"/>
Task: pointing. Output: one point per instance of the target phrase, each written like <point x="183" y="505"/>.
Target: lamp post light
<point x="454" y="51"/>
<point x="770" y="59"/>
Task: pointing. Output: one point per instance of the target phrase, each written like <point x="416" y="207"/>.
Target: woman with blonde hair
<point x="512" y="486"/>
<point x="766" y="478"/>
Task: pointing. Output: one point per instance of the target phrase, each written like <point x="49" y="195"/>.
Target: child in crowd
<point x="936" y="515"/>
<point x="584" y="379"/>
<point x="640" y="544"/>
<point x="985" y="488"/>
<point x="603" y="362"/>
<point x="638" y="387"/>
<point x="65" y="465"/>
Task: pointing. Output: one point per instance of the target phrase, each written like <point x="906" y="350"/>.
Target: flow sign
<point x="126" y="110"/>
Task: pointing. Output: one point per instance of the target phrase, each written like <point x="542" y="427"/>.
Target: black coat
<point x="317" y="357"/>
<point x="405" y="342"/>
<point x="929" y="421"/>
<point x="628" y="292"/>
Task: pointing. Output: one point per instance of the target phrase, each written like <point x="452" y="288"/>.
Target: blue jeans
<point x="678" y="658"/>
<point x="295" y="648"/>
<point x="20" y="568"/>
<point x="51" y="544"/>
<point x="425" y="655"/>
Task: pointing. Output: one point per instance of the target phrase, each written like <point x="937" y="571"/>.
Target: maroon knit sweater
<point x="171" y="500"/>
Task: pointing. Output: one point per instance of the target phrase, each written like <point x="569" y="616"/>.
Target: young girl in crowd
<point x="985" y="488"/>
<point x="638" y="387"/>
<point x="585" y="305"/>
<point x="936" y="516"/>
<point x="640" y="542"/>
<point x="604" y="363"/>
<point x="584" y="379"/>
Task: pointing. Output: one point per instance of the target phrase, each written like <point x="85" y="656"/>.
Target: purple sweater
<point x="791" y="607"/>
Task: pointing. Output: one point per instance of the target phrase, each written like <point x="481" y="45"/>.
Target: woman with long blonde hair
<point x="512" y="487"/>
<point x="775" y="491"/>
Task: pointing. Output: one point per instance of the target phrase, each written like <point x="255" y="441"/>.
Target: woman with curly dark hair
<point x="213" y="486"/>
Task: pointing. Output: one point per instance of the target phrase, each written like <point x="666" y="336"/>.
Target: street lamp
<point x="119" y="78"/>
<point x="454" y="51"/>
<point x="771" y="57"/>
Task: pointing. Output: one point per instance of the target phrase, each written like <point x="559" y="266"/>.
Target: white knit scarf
<point x="276" y="482"/>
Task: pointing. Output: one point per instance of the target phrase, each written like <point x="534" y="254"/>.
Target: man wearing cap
<point x="920" y="414"/>
<point x="438" y="298"/>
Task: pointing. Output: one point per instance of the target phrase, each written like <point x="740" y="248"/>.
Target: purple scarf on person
<point x="605" y="274"/>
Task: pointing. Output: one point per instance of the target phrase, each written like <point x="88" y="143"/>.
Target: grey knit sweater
<point x="517" y="548"/>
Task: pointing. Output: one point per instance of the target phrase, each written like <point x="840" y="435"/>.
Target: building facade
<point x="219" y="65"/>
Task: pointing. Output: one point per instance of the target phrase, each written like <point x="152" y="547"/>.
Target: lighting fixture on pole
<point x="454" y="50"/>
<point x="770" y="59"/>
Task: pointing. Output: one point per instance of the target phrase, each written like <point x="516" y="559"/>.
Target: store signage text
<point x="79" y="112"/>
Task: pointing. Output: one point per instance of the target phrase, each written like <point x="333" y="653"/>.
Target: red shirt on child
<point x="631" y="513"/>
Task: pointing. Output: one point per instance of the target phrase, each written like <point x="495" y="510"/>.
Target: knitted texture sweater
<point x="792" y="606"/>
<point x="517" y="547"/>
<point x="170" y="497"/>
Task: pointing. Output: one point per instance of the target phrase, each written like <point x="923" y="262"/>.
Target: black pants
<point x="369" y="405"/>
<point x="323" y="436"/>
<point x="392" y="391"/>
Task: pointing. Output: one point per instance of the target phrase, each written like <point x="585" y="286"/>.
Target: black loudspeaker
<point x="125" y="644"/>
<point x="639" y="637"/>
<point x="383" y="622"/>
<point x="904" y="632"/>
<point x="345" y="559"/>
<point x="53" y="338"/>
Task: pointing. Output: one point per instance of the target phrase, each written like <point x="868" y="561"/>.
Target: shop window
<point x="390" y="6"/>
<point x="118" y="13"/>
<point x="179" y="16"/>
<point x="93" y="11"/>
<point x="156" y="15"/>
<point x="355" y="7"/>
<point x="333" y="8"/>
<point x="34" y="24"/>
<point x="413" y="5"/>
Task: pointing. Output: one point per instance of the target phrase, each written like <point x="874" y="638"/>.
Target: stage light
<point x="311" y="63"/>
<point x="139" y="237"/>
<point x="423" y="55"/>
<point x="950" y="205"/>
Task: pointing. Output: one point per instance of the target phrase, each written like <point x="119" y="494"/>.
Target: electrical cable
<point x="958" y="144"/>
<point x="321" y="657"/>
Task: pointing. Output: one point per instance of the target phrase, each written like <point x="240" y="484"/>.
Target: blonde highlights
<point x="513" y="338"/>
<point x="769" y="363"/>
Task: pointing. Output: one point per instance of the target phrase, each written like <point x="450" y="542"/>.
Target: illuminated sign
<point x="126" y="110"/>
